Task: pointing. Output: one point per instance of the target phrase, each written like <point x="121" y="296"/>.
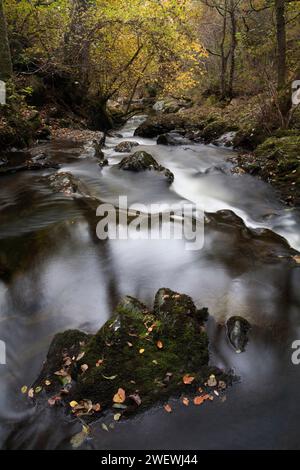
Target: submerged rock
<point x="141" y="161"/>
<point x="137" y="358"/>
<point x="171" y="138"/>
<point x="126" y="146"/>
<point x="64" y="182"/>
<point x="38" y="162"/>
<point x="237" y="331"/>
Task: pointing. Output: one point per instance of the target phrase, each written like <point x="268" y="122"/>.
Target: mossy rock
<point x="161" y="124"/>
<point x="215" y="129"/>
<point x="141" y="161"/>
<point x="249" y="138"/>
<point x="145" y="353"/>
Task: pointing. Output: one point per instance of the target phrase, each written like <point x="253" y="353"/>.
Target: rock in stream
<point x="137" y="358"/>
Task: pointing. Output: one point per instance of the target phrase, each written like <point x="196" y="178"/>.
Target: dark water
<point x="55" y="274"/>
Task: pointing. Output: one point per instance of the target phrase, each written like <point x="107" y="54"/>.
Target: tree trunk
<point x="281" y="43"/>
<point x="232" y="49"/>
<point x="224" y="58"/>
<point x="5" y="57"/>
<point x="76" y="47"/>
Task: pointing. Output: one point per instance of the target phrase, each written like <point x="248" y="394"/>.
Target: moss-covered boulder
<point x="216" y="129"/>
<point x="160" y="124"/>
<point x="137" y="358"/>
<point x="141" y="161"/>
<point x="126" y="146"/>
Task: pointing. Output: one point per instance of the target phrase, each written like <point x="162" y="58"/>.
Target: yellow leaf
<point x="141" y="351"/>
<point x="73" y="404"/>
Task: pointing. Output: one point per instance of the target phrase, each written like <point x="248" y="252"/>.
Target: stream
<point x="61" y="276"/>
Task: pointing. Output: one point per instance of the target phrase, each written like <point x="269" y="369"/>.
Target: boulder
<point x="141" y="161"/>
<point x="237" y="331"/>
<point x="160" y="124"/>
<point x="171" y="138"/>
<point x="68" y="184"/>
<point x="126" y="146"/>
<point x="137" y="358"/>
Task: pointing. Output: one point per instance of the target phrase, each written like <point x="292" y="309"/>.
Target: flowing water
<point x="56" y="274"/>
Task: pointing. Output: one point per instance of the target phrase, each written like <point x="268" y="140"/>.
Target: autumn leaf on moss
<point x="120" y="396"/>
<point x="188" y="379"/>
<point x="168" y="408"/>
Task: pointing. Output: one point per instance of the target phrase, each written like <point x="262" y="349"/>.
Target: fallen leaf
<point x="168" y="408"/>
<point x="136" y="398"/>
<point x="141" y="351"/>
<point x="97" y="407"/>
<point x="216" y="393"/>
<point x="159" y="344"/>
<point x="155" y="362"/>
<point x="24" y="389"/>
<point x="120" y="396"/>
<point x="212" y="382"/>
<point x="99" y="362"/>
<point x="67" y="361"/>
<point x="73" y="404"/>
<point x="222" y="385"/>
<point x="80" y="356"/>
<point x="47" y="382"/>
<point x="84" y="367"/>
<point x="38" y="389"/>
<point x="198" y="400"/>
<point x="112" y="377"/>
<point x="117" y="416"/>
<point x="129" y="344"/>
<point x="104" y="427"/>
<point x="52" y="401"/>
<point x="66" y="380"/>
<point x="31" y="393"/>
<point x="78" y="439"/>
<point x="61" y="373"/>
<point x="186" y="401"/>
<point x="188" y="379"/>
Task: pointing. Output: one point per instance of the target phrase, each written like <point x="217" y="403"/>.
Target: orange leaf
<point x="188" y="379"/>
<point x="186" y="401"/>
<point x="159" y="344"/>
<point x="120" y="396"/>
<point x="200" y="399"/>
<point x="168" y="408"/>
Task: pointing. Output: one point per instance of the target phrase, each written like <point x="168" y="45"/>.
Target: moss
<point x="144" y="352"/>
<point x="249" y="138"/>
<point x="141" y="161"/>
<point x="215" y="129"/>
<point x="280" y="148"/>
